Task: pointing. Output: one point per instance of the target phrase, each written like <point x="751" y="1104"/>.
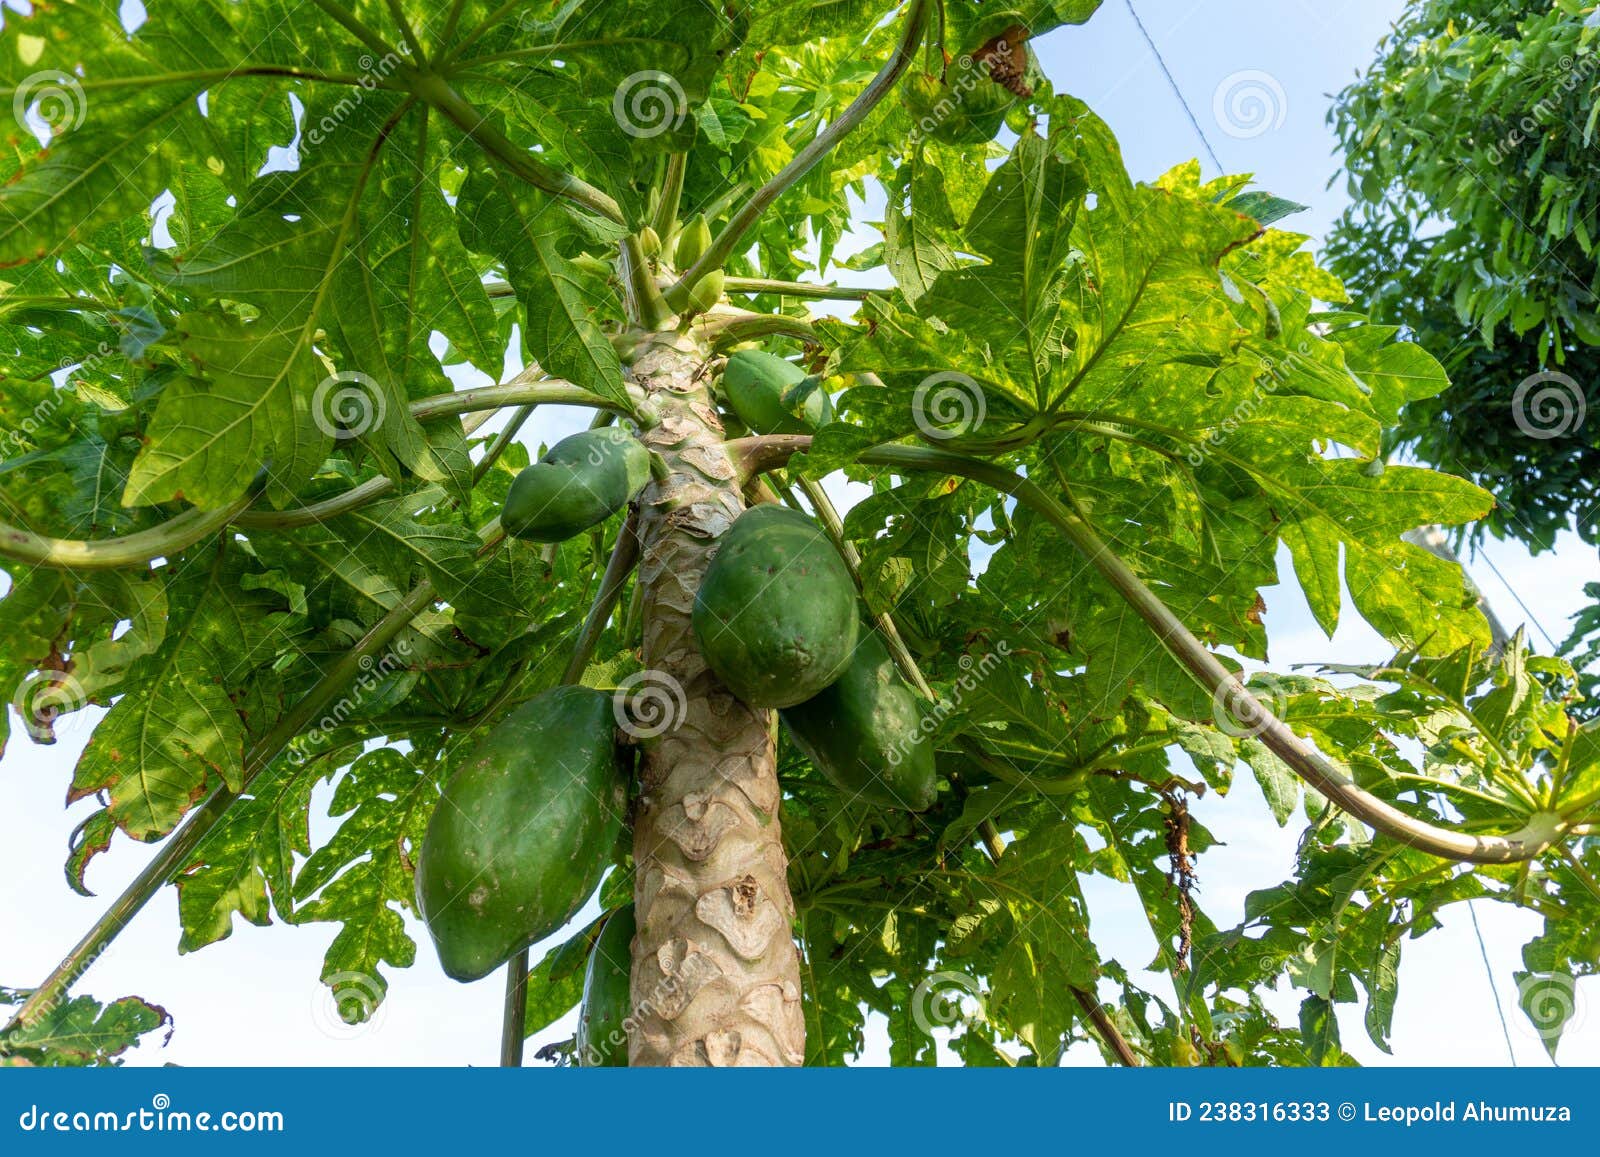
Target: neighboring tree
<point x="1471" y="159"/>
<point x="250" y="519"/>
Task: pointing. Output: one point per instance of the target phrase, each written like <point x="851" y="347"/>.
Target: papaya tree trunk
<point x="716" y="977"/>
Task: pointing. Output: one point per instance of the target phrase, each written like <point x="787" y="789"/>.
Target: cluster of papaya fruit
<point x="527" y="825"/>
<point x="777" y="621"/>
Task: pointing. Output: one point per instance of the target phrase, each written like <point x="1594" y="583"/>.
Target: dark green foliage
<point x="1469" y="146"/>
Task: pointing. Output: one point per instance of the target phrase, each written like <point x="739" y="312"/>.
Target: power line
<point x="1532" y="618"/>
<point x="1483" y="950"/>
<point x="1178" y="92"/>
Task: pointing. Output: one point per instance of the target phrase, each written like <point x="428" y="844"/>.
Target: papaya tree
<point x="810" y="767"/>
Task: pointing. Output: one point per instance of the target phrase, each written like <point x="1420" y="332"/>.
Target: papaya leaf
<point x="81" y="1031"/>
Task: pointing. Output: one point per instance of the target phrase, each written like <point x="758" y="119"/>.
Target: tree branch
<point x="518" y="161"/>
<point x="750" y="212"/>
<point x="184" y="530"/>
<point x="137" y="549"/>
<point x="724" y="327"/>
<point x="176" y="853"/>
<point x="795" y="289"/>
<point x="1541" y="832"/>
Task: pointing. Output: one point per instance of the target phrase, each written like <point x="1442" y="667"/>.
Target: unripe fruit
<point x="649" y="241"/>
<point x="775" y="615"/>
<point x="592" y="264"/>
<point x="693" y="240"/>
<point x="706" y="292"/>
<point x="523" y="831"/>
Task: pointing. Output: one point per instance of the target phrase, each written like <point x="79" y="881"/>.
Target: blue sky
<point x="1256" y="76"/>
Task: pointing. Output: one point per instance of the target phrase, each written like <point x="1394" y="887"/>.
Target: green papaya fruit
<point x="607" y="996"/>
<point x="864" y="732"/>
<point x="775" y="615"/>
<point x="693" y="240"/>
<point x="523" y="831"/>
<point x="707" y="291"/>
<point x="580" y="482"/>
<point x="649" y="241"/>
<point x="773" y="396"/>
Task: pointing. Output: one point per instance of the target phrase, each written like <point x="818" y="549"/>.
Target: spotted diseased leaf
<point x="81" y="1031"/>
<point x="176" y="733"/>
<point x="160" y="750"/>
<point x="363" y="878"/>
<point x="91" y="837"/>
<point x="246" y="864"/>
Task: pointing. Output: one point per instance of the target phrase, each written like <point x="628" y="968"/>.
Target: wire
<point x="1178" y="92"/>
<point x="1532" y="618"/>
<point x="1483" y="951"/>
